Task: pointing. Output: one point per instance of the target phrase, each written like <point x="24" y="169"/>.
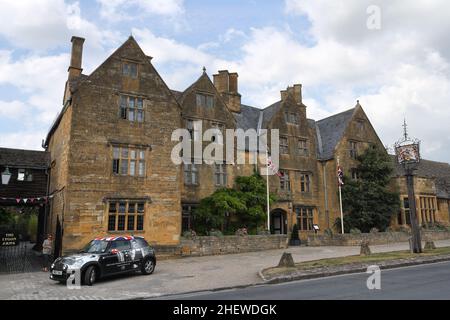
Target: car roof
<point x="118" y="238"/>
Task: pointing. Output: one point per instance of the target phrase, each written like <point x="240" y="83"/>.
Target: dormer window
<point x="130" y="69"/>
<point x="204" y="100"/>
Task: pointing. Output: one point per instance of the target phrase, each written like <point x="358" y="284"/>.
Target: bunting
<point x="31" y="200"/>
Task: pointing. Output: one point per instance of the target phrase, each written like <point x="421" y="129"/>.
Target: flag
<point x="271" y="166"/>
<point x="340" y="176"/>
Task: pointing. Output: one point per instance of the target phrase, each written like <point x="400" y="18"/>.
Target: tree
<point x="246" y="203"/>
<point x="369" y="201"/>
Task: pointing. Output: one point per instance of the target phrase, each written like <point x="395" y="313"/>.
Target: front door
<point x="277" y="226"/>
<point x="278" y="223"/>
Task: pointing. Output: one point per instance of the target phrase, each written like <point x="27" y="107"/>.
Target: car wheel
<point x="90" y="276"/>
<point x="148" y="266"/>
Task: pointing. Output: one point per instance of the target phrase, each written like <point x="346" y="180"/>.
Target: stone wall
<point x="206" y="246"/>
<point x="373" y="238"/>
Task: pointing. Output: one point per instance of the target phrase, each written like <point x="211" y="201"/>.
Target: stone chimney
<point x="227" y="85"/>
<point x="296" y="92"/>
<point x="75" y="58"/>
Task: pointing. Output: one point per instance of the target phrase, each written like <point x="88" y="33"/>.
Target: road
<point x="421" y="282"/>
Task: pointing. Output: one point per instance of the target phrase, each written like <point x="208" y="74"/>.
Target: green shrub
<point x="328" y="232"/>
<point x="355" y="231"/>
<point x="215" y="233"/>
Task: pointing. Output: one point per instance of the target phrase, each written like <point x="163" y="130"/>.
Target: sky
<point x="391" y="55"/>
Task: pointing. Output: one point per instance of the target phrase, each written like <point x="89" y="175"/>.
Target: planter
<point x="294" y="242"/>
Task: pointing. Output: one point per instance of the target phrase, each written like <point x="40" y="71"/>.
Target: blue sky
<point x="399" y="70"/>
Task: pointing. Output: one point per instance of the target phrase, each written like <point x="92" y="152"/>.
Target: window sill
<point x="128" y="176"/>
<point x="126" y="232"/>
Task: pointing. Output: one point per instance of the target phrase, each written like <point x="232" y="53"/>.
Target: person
<point x="47" y="248"/>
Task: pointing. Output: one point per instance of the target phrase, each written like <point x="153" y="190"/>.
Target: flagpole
<point x="340" y="201"/>
<point x="267" y="189"/>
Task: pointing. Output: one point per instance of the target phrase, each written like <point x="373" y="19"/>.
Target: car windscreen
<point x="96" y="246"/>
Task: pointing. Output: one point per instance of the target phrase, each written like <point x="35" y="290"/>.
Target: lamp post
<point x="407" y="151"/>
<point x="6" y="175"/>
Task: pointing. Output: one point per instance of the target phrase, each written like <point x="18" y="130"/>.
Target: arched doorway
<point x="278" y="221"/>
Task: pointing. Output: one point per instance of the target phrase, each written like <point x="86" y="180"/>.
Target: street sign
<point x="9" y="239"/>
<point x="408" y="153"/>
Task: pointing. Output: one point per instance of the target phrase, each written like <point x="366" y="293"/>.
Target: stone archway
<point x="278" y="221"/>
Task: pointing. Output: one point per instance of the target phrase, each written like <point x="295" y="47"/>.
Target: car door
<point x="110" y="259"/>
<point x="123" y="248"/>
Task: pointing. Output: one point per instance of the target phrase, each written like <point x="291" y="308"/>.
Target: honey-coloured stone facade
<point x="87" y="140"/>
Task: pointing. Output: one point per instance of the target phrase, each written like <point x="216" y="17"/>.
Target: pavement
<point x="178" y="275"/>
<point x="423" y="282"/>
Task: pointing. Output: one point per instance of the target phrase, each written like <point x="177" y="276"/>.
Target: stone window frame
<point x="136" y="108"/>
<point x="285" y="181"/>
<point x="305" y="182"/>
<point x="220" y="175"/>
<point x="204" y="99"/>
<point x="194" y="132"/>
<point x="428" y="209"/>
<point x="353" y="148"/>
<point x="292" y="117"/>
<point x="284" y="145"/>
<point x="303" y="147"/>
<point x="305" y="217"/>
<point x="221" y="127"/>
<point x="191" y="174"/>
<point x="119" y="219"/>
<point x="137" y="162"/>
<point x="127" y="69"/>
<point x="360" y="125"/>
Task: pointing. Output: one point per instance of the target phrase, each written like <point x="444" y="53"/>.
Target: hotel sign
<point x="8" y="239"/>
<point x="408" y="153"/>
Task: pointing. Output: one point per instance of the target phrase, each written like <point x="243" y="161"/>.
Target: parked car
<point x="104" y="257"/>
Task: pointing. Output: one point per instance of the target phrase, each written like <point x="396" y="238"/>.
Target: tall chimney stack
<point x="75" y="58"/>
<point x="227" y="85"/>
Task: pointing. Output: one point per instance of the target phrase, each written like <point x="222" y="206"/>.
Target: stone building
<point x="24" y="183"/>
<point x="432" y="193"/>
<point x="110" y="146"/>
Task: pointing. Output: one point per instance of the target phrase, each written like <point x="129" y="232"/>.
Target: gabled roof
<point x="26" y="159"/>
<point x="330" y="131"/>
<point x="440" y="171"/>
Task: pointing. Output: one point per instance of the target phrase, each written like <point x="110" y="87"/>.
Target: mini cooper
<point x="104" y="257"/>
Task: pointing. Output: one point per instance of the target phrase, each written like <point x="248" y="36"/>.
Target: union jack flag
<point x="271" y="166"/>
<point x="340" y="176"/>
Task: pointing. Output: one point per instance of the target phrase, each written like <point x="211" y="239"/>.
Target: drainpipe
<point x="327" y="213"/>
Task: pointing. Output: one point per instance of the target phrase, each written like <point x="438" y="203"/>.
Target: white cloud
<point x="403" y="68"/>
<point x="39" y="25"/>
<point x="23" y="139"/>
<point x="116" y="10"/>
